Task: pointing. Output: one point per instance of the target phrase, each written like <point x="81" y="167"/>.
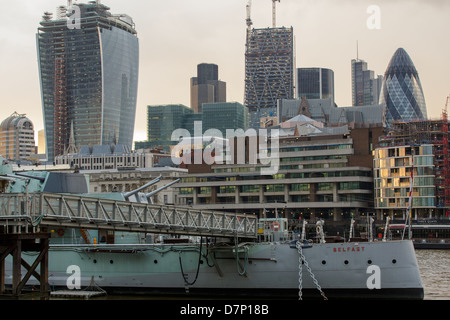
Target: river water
<point x="434" y="266"/>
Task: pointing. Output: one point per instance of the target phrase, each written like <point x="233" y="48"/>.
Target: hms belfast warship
<point x="265" y="262"/>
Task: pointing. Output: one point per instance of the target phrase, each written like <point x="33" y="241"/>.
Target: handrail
<point x="86" y="212"/>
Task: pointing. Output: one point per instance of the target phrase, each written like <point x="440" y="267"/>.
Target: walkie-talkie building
<point x="269" y="71"/>
<point x="88" y="64"/>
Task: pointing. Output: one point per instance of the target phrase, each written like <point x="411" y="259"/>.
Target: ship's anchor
<point x="302" y="260"/>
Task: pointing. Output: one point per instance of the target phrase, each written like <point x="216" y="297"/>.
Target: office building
<point x="163" y="120"/>
<point x="402" y="93"/>
<point x="223" y="116"/>
<point x="321" y="176"/>
<point x="17" y="137"/>
<point x="315" y="83"/>
<point x="206" y="87"/>
<point x="366" y="86"/>
<point x="269" y="71"/>
<point x="89" y="74"/>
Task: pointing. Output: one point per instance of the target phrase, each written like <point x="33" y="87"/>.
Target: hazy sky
<point x="176" y="35"/>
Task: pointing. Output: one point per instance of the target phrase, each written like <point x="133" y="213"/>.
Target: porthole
<point x="95" y="261"/>
<point x="155" y="261"/>
<point x="346" y="261"/>
<point x="369" y="261"/>
<point x="324" y="262"/>
<point x="394" y="261"/>
<point x="110" y="261"/>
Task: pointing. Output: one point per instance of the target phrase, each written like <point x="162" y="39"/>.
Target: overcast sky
<point x="176" y="35"/>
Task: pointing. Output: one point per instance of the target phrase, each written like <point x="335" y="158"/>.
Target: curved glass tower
<point x="89" y="75"/>
<point x="401" y="91"/>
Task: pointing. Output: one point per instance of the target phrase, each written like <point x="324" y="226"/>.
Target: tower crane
<point x="444" y="112"/>
<point x="274" y="13"/>
<point x="249" y="11"/>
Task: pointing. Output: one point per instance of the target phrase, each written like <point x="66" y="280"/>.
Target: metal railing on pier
<point x="74" y="211"/>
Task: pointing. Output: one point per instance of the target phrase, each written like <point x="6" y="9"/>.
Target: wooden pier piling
<point x="16" y="243"/>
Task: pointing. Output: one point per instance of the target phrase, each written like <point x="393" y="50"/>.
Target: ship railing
<point x="63" y="210"/>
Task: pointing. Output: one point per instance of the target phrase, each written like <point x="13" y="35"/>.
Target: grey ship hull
<point x="268" y="270"/>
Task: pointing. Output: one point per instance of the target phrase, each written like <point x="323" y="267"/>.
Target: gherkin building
<point x="401" y="92"/>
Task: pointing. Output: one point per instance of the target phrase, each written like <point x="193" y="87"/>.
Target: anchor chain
<point x="302" y="260"/>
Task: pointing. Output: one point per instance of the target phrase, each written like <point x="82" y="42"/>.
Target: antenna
<point x="274" y="13"/>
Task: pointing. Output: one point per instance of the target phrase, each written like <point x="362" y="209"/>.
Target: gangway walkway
<point x="30" y="211"/>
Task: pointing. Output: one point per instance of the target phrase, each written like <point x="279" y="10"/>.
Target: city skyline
<point x="175" y="36"/>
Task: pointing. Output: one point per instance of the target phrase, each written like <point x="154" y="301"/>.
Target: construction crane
<point x="249" y="11"/>
<point x="444" y="112"/>
<point x="274" y="13"/>
<point x="249" y="19"/>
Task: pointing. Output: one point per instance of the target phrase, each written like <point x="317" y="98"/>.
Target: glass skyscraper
<point x="366" y="85"/>
<point x="401" y="92"/>
<point x="315" y="83"/>
<point x="89" y="75"/>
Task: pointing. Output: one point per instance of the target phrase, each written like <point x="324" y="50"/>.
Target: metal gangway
<point x="28" y="212"/>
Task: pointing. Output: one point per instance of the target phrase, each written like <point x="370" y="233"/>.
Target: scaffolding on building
<point x="60" y="111"/>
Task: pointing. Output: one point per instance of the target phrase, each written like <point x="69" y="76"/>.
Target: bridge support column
<point x="14" y="244"/>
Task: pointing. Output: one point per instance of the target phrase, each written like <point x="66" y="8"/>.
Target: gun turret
<point x="41" y="179"/>
<point x="135" y="191"/>
<point x="148" y="195"/>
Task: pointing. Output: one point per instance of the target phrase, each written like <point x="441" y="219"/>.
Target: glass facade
<point x="366" y="85"/>
<point x="392" y="177"/>
<point x="315" y="83"/>
<point x="402" y="93"/>
<point x="88" y="78"/>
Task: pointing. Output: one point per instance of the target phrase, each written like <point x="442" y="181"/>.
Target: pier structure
<point x="24" y="218"/>
<point x="15" y="244"/>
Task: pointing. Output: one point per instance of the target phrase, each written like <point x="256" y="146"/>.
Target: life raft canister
<point x="275" y="226"/>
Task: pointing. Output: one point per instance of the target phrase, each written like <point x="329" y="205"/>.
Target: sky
<point x="176" y="35"/>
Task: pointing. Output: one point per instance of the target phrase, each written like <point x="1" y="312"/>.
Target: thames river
<point x="434" y="266"/>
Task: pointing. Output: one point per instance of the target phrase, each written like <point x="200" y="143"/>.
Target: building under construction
<point x="404" y="150"/>
<point x="269" y="68"/>
<point x="88" y="65"/>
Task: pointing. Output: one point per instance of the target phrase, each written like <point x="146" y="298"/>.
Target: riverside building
<point x="414" y="153"/>
<point x="326" y="176"/>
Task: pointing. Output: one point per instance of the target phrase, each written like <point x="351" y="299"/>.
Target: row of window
<point x="355" y="185"/>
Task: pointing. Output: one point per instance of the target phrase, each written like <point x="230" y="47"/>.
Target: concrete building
<point x="114" y="180"/>
<point x="17" y="137"/>
<point x="111" y="157"/>
<point x="320" y="176"/>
